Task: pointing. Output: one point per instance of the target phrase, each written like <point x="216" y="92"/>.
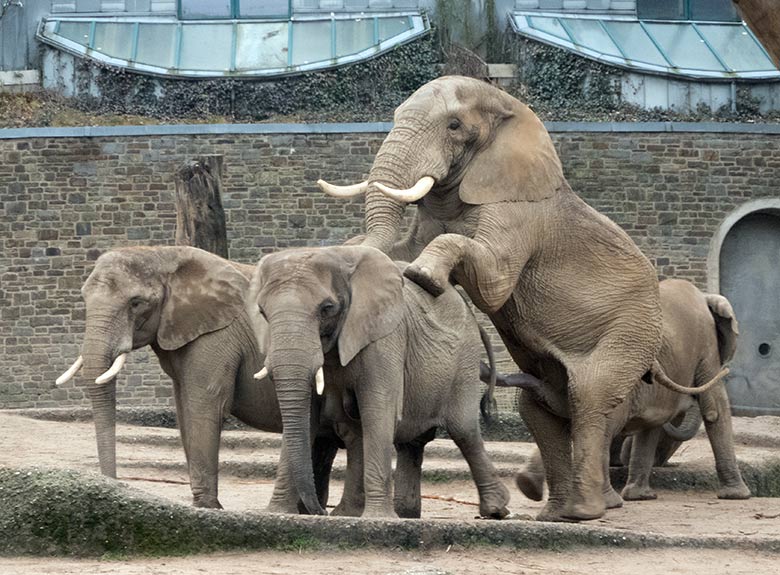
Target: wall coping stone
<point x="368" y="127"/>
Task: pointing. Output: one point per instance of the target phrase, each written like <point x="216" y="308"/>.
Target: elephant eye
<point x="137" y="302"/>
<point x="328" y="308"/>
<point x="261" y="310"/>
<point x="454" y="124"/>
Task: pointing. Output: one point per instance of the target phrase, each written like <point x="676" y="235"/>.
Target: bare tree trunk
<point x="200" y="219"/>
<point x="763" y="18"/>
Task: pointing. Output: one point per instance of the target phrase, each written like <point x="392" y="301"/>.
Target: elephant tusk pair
<point x="68" y="375"/>
<point x="115" y="368"/>
<point x="319" y="379"/>
<point x="422" y="187"/>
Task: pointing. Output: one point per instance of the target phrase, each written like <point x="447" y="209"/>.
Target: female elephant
<point x="188" y="305"/>
<point x="397" y="363"/>
<point x="571" y="295"/>
<point x="699" y="337"/>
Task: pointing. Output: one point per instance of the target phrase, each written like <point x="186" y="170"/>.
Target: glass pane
<point x="736" y="47"/>
<point x="590" y="34"/>
<point x="261" y="46"/>
<point x="263" y="8"/>
<point x="550" y="26"/>
<point x="683" y="46"/>
<point x="717" y="10"/>
<point x="635" y="43"/>
<point x="114" y="39"/>
<point x="206" y="46"/>
<point x="353" y="36"/>
<point x="76" y="31"/>
<point x="191" y="9"/>
<point x="389" y="27"/>
<point x="156" y="44"/>
<point x="311" y="42"/>
<point x="660" y="9"/>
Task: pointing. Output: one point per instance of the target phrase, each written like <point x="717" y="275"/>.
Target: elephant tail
<point x="659" y="376"/>
<point x="726" y="325"/>
<point x="688" y="427"/>
<point x="488" y="405"/>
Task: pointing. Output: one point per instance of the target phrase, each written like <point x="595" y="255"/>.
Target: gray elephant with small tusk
<point x="699" y="338"/>
<point x="188" y="305"/>
<point x="397" y="363"/>
<point x="570" y="294"/>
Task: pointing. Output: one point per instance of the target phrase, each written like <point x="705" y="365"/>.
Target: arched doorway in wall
<point x="748" y="274"/>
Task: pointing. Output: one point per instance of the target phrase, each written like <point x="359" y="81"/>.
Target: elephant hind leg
<point x="553" y="438"/>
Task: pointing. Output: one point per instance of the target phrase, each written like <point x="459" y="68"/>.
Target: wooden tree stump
<point x="200" y="219"/>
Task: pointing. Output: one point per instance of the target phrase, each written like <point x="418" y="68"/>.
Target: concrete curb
<point x="48" y="512"/>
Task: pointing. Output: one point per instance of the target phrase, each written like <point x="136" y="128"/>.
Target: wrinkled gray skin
<point x="573" y="298"/>
<point x="397" y="364"/>
<point x="699" y="337"/>
<point x="188" y="305"/>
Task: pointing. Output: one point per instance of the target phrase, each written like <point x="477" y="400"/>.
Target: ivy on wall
<point x="360" y="92"/>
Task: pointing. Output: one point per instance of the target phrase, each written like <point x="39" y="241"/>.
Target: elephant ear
<point x="520" y="164"/>
<point x="726" y="324"/>
<point x="204" y="293"/>
<point x="376" y="306"/>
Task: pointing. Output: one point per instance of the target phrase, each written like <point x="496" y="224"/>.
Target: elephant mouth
<point x="409" y="195"/>
<point x="105" y="377"/>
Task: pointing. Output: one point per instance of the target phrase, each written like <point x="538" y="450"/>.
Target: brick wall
<point x="67" y="199"/>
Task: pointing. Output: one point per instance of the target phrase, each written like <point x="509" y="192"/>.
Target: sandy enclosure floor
<point x="159" y="469"/>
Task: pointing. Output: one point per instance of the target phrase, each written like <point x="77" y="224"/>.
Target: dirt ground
<point x="151" y="459"/>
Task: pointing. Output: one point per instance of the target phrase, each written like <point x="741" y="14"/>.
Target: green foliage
<point x="364" y="91"/>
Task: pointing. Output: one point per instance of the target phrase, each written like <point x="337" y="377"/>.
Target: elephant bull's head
<point x="134" y="297"/>
<point x="455" y="135"/>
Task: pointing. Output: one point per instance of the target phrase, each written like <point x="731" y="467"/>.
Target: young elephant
<point x="397" y="363"/>
<point x="188" y="305"/>
<point x="699" y="337"/>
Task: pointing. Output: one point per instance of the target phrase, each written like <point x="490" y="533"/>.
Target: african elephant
<point x="396" y="363"/>
<point x="699" y="338"/>
<point x="573" y="298"/>
<point x="188" y="305"/>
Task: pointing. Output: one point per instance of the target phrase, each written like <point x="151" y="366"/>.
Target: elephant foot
<point x="425" y="277"/>
<point x="613" y="500"/>
<point x="282" y="506"/>
<point x="530" y="484"/>
<point x="382" y="511"/>
<point x="408" y="508"/>
<point x="553" y="511"/>
<point x="207" y="503"/>
<point x="585" y="510"/>
<point x="493" y="501"/>
<point x="347" y="509"/>
<point x="739" y="491"/>
<point x="635" y="492"/>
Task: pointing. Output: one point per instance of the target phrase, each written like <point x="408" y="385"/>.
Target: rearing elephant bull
<point x="571" y="295"/>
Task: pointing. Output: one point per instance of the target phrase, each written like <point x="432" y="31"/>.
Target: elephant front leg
<point x="640" y="465"/>
<point x="408" y="475"/>
<point x="353" y="498"/>
<point x="492" y="272"/>
<point x="200" y="426"/>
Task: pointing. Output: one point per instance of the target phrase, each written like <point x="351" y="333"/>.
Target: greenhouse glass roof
<point x="211" y="48"/>
<point x="715" y="50"/>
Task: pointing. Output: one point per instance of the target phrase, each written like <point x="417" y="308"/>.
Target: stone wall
<point x="70" y="194"/>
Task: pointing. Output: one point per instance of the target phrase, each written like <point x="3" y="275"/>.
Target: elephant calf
<point x="699" y="337"/>
<point x="397" y="363"/>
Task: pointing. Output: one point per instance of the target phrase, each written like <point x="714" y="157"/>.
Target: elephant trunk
<point x="103" y="397"/>
<point x="293" y="389"/>
<point x="294" y="357"/>
<point x="384" y="215"/>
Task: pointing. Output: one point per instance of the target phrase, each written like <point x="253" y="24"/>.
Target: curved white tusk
<point x="263" y="373"/>
<point x="422" y="187"/>
<point x="65" y="377"/>
<point x="319" y="381"/>
<point x="113" y="370"/>
<point x="342" y="191"/>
